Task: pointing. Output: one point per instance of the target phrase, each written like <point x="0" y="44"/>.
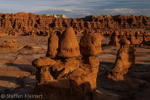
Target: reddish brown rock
<point x="125" y="60"/>
<point x="31" y="24"/>
<point x="10" y="41"/>
<point x="52" y="46"/>
<point x="68" y="45"/>
<point x="78" y="77"/>
<point x="61" y="69"/>
<point x="43" y="75"/>
<point x="8" y="44"/>
<point x="90" y="44"/>
<point x="133" y="40"/>
<point x="43" y="61"/>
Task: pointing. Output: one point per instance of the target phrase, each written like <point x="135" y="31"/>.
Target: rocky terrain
<point x="31" y="24"/>
<point x="40" y="55"/>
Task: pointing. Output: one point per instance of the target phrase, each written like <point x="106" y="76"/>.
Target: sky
<point x="77" y="8"/>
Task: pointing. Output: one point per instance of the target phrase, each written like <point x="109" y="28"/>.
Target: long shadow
<point x="10" y="79"/>
<point x="104" y="45"/>
<point x="23" y="67"/>
<point x="15" y="80"/>
<point x="106" y="63"/>
<point x="136" y="65"/>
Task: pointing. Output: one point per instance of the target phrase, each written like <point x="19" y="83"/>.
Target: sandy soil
<point x="17" y="75"/>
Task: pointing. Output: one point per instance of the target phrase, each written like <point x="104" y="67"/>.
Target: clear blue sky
<point x="77" y="8"/>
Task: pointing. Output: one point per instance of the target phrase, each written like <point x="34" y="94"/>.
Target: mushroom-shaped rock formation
<point x="43" y="61"/>
<point x="53" y="41"/>
<point x="69" y="78"/>
<point x="68" y="45"/>
<point x="125" y="60"/>
<point x="42" y="65"/>
<point x="90" y="44"/>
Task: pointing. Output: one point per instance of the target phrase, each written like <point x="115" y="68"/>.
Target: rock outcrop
<point x="125" y="60"/>
<point x="31" y="24"/>
<point x="135" y="37"/>
<point x="65" y="77"/>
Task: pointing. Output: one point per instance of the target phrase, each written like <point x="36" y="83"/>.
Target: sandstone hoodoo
<point x="125" y="60"/>
<point x="68" y="45"/>
<point x="67" y="77"/>
<point x="52" y="49"/>
<point x="90" y="44"/>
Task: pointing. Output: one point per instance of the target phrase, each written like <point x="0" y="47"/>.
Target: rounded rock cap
<point x="43" y="61"/>
<point x="90" y="44"/>
<point x="68" y="45"/>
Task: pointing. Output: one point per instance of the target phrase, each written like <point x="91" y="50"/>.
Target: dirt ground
<point x="17" y="75"/>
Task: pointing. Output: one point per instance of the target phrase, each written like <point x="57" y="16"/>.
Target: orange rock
<point x="52" y="46"/>
<point x="68" y="45"/>
<point x="43" y="61"/>
<point x="125" y="60"/>
<point x="43" y="75"/>
<point x="2" y="34"/>
<point x="63" y="68"/>
<point x="90" y="44"/>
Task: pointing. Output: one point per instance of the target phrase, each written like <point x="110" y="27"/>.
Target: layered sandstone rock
<point x="23" y="23"/>
<point x="67" y="77"/>
<point x="125" y="60"/>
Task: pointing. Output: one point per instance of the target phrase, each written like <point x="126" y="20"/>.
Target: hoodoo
<point x="68" y="45"/>
<point x="125" y="60"/>
<point x="68" y="78"/>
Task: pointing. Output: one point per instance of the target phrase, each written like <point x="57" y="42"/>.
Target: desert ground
<point x="17" y="75"/>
